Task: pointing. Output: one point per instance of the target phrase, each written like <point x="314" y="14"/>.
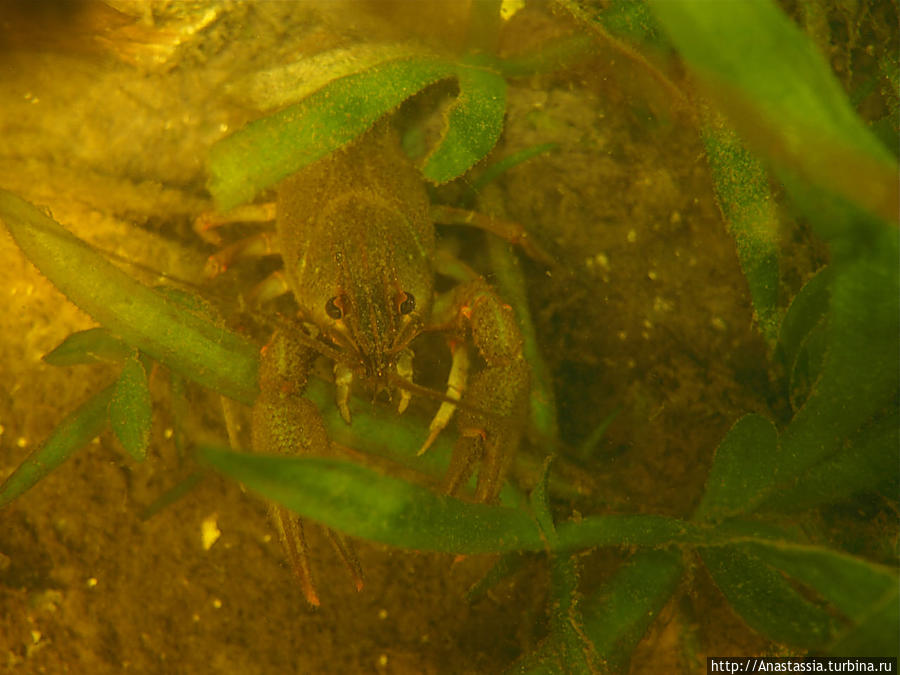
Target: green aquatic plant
<point x="276" y="146"/>
<point x="837" y="343"/>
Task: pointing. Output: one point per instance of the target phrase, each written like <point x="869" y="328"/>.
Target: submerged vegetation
<point x="771" y="109"/>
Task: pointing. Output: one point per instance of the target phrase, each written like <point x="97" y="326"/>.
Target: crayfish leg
<point x="286" y="423"/>
<point x="290" y="532"/>
<point x="255" y="246"/>
<point x="514" y="233"/>
<point x="347" y="553"/>
<point x="206" y="224"/>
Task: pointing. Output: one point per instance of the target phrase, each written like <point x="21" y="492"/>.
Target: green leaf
<point x="274" y="147"/>
<point x="360" y="502"/>
<point x="631" y="530"/>
<point x="357" y="501"/>
<point x="780" y="93"/>
<point x="617" y="615"/>
<point x="875" y="634"/>
<point x="506" y="565"/>
<point x="859" y="376"/>
<point x="742" y="190"/>
<point x="807" y="367"/>
<point x="73" y="433"/>
<point x="851" y="584"/>
<point x="131" y="409"/>
<point x="286" y="84"/>
<point x="95" y="345"/>
<point x="551" y="55"/>
<point x="173" y="494"/>
<point x="867" y="461"/>
<point x="864" y="592"/>
<point x="742" y="470"/>
<point x="473" y="125"/>
<point x="566" y="629"/>
<point x="540" y="505"/>
<point x="802" y="340"/>
<point x="190" y="301"/>
<point x="806" y="312"/>
<point x="630" y="20"/>
<point x="765" y="600"/>
<point x="755" y="47"/>
<point x="566" y="622"/>
<point x="183" y="340"/>
<point x="509" y="279"/>
<point x="501" y="166"/>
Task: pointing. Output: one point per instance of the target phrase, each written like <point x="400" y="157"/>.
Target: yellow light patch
<point x="510" y="7"/>
<point x="209" y="532"/>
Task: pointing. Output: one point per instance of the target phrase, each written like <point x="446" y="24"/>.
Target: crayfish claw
<point x="456" y="385"/>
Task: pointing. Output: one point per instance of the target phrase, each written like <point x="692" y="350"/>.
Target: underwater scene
<point x="453" y="336"/>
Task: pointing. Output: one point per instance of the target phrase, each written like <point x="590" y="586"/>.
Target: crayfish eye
<point x="407" y="303"/>
<point x="332" y="309"/>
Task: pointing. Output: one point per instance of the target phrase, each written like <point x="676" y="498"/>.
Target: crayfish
<point x="356" y="234"/>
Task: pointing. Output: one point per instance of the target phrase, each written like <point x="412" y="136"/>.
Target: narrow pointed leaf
<point x="630" y="530"/>
<point x="274" y="147"/>
<point x="779" y="91"/>
<point x="510" y="281"/>
<point x="358" y="501"/>
<point x="131" y="409"/>
<point x="73" y="433"/>
<point x="859" y="374"/>
<point x="183" y="340"/>
<point x="852" y="584"/>
<point x="95" y="345"/>
<point x="286" y="84"/>
<point x="361" y="502"/>
<point x="867" y="461"/>
<point x="807" y="310"/>
<point x="757" y="47"/>
<point x="743" y="469"/>
<point x="765" y="600"/>
<point x="742" y="190"/>
<point x="506" y="565"/>
<point x="540" y="505"/>
<point x="865" y="592"/>
<point x="566" y="622"/>
<point x="875" y="634"/>
<point x="617" y="616"/>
